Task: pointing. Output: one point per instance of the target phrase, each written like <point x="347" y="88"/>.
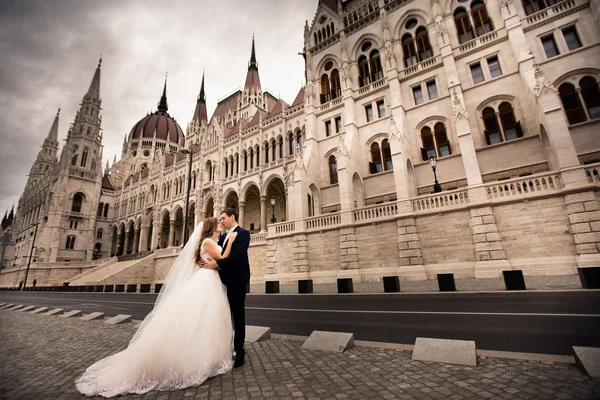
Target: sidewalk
<point x="41" y="356"/>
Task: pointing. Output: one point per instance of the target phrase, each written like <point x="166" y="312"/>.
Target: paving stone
<point x="39" y="310"/>
<point x="55" y="311"/>
<point x="16" y="307"/>
<point x="119" y="319"/>
<point x="275" y="368"/>
<point x="7" y="306"/>
<point x="70" y="314"/>
<point x="329" y="341"/>
<point x="28" y="308"/>
<point x="588" y="359"/>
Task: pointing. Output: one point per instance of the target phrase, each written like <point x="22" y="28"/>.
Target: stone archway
<point x="129" y="237"/>
<point x="252" y="217"/>
<point x="357" y="191"/>
<point x="276" y="190"/>
<point x="191" y="218"/>
<point x="178" y="234"/>
<point x="150" y="231"/>
<point x="163" y="234"/>
<point x="210" y="208"/>
<point x="121" y="240"/>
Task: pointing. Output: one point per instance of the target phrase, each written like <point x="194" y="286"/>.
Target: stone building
<point x="501" y="97"/>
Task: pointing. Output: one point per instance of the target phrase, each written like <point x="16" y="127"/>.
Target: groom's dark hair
<point x="231" y="211"/>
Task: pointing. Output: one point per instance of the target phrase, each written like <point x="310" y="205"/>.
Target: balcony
<point x="373" y="87"/>
<point x="552" y="13"/>
<point x="523" y="186"/>
<point x="421" y="67"/>
<point x="323" y="221"/>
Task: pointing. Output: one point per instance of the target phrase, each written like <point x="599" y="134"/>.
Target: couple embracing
<point x="189" y="335"/>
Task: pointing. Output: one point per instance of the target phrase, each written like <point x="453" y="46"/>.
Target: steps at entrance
<point x="104" y="271"/>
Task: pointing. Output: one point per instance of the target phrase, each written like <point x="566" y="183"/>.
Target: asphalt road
<point x="534" y="322"/>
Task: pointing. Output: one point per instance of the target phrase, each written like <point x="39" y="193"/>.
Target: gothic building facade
<point x="501" y="98"/>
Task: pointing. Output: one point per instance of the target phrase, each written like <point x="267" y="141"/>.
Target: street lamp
<point x="273" y="220"/>
<point x="436" y="186"/>
<point x="30" y="254"/>
<point x="187" y="196"/>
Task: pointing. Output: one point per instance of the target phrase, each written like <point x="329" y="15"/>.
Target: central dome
<point x="158" y="125"/>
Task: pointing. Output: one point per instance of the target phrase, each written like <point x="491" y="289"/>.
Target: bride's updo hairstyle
<point x="210" y="226"/>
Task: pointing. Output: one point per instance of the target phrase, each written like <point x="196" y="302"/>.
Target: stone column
<point x="126" y="244"/>
<point x="242" y="206"/>
<point x="117" y="248"/>
<point x="263" y="213"/>
<point x="348" y="249"/>
<point x="301" y="254"/>
<point x="147" y="237"/>
<point x="136" y="241"/>
<point x="171" y="233"/>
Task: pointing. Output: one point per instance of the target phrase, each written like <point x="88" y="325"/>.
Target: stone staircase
<point x="110" y="271"/>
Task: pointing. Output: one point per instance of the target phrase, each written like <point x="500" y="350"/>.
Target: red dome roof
<point x="159" y="125"/>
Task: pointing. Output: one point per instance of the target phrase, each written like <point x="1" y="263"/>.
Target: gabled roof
<point x="169" y="159"/>
<point x="299" y="97"/>
<point x="106" y="183"/>
<point x="277" y="108"/>
<point x="256" y="119"/>
<point x="228" y="103"/>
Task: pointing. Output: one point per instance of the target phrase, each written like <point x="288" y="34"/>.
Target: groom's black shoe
<point x="239" y="361"/>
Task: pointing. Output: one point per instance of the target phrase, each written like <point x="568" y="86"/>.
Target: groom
<point x="235" y="274"/>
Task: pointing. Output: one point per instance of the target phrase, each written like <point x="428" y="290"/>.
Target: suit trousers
<point x="236" y="294"/>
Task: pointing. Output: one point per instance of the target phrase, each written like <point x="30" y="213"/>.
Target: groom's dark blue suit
<point x="235" y="274"/>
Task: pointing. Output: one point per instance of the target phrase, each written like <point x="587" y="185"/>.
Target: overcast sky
<point x="50" y="49"/>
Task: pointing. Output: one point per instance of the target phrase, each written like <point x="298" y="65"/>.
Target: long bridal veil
<point x="181" y="272"/>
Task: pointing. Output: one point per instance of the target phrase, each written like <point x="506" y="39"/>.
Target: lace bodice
<point x="204" y="254"/>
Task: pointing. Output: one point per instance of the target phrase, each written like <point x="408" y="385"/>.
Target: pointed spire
<point x="94" y="89"/>
<point x="12" y="213"/>
<point x="107" y="168"/>
<point x="53" y="134"/>
<point x="4" y="219"/>
<point x="252" y="78"/>
<point x="115" y="159"/>
<point x="200" y="113"/>
<point x="162" y="105"/>
<point x="253" y="56"/>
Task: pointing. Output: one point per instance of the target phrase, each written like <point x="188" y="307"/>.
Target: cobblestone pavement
<point x="41" y="356"/>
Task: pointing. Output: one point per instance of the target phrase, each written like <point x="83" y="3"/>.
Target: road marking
<point x="424" y="312"/>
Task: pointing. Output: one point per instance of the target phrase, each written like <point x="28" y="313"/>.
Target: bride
<point x="187" y="337"/>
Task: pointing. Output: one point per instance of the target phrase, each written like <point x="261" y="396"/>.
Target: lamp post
<point x="273" y="220"/>
<point x="187" y="196"/>
<point x="436" y="186"/>
<point x="30" y="254"/>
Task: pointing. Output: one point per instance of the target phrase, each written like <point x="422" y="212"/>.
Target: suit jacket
<point x="235" y="269"/>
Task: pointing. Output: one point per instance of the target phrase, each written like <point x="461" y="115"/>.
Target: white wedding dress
<point x="188" y="340"/>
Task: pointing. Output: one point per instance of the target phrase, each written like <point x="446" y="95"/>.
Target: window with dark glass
<point x="463" y="25"/>
<point x="333" y="177"/>
<point x="77" y="201"/>
<point x="336" y="88"/>
<point x="441" y="140"/>
<point x="494" y="66"/>
<point x="376" y="70"/>
<point x="591" y="96"/>
<point x="327" y="128"/>
<point x="273" y="150"/>
<point x="338" y="124"/>
<point x="408" y="50"/>
<point x="418" y="94"/>
<point x="432" y="91"/>
<point x="481" y="18"/>
<point x="533" y="6"/>
<point x="291" y="143"/>
<point x="375" y="165"/>
<point x="477" y="73"/>
<point x="363" y="71"/>
<point x="423" y="45"/>
<point x="571" y="38"/>
<point x="380" y="108"/>
<point x="492" y="128"/>
<point x="510" y="125"/>
<point x="550" y="46"/>
<point x="571" y="104"/>
<point x="369" y="112"/>
<point x="428" y="149"/>
<point x="387" y="155"/>
<point x="325" y="89"/>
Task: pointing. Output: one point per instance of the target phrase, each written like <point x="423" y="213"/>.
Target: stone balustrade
<point x="523" y="186"/>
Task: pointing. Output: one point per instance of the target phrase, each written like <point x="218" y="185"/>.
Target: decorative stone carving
<point x="458" y="106"/>
<point x="542" y="84"/>
<point x="342" y="149"/>
<point x="288" y="176"/>
<point x="395" y="132"/>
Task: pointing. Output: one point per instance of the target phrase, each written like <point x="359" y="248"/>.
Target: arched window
<point x="408" y="50"/>
<point x="533" y="6"/>
<point x="387" y="155"/>
<point x="266" y="152"/>
<point x="257" y="155"/>
<point x="423" y="45"/>
<point x="93" y="165"/>
<point x="280" y="147"/>
<point x="571" y="103"/>
<point x="237" y="164"/>
<point x="463" y="25"/>
<point x="291" y="143"/>
<point x="84" y="157"/>
<point x="375" y="165"/>
<point x="325" y="89"/>
<point x="99" y="210"/>
<point x="435" y="143"/>
<point x="245" y="155"/>
<point x="70" y="243"/>
<point x="375" y="61"/>
<point x="106" y="210"/>
<point x="251" y="158"/>
<point x="333" y="176"/>
<point x="502" y="125"/>
<point x="363" y="71"/>
<point x="209" y="171"/>
<point x="481" y="18"/>
<point x="231" y="165"/>
<point x="299" y="139"/>
<point x="336" y="89"/>
<point x="99" y="234"/>
<point x="77" y="202"/>
<point x="226" y="167"/>
<point x="74" y="160"/>
<point x="591" y="96"/>
<point x="273" y="150"/>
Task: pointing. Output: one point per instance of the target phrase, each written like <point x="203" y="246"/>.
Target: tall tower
<point x="69" y="233"/>
<point x="199" y="121"/>
<point x="252" y="98"/>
